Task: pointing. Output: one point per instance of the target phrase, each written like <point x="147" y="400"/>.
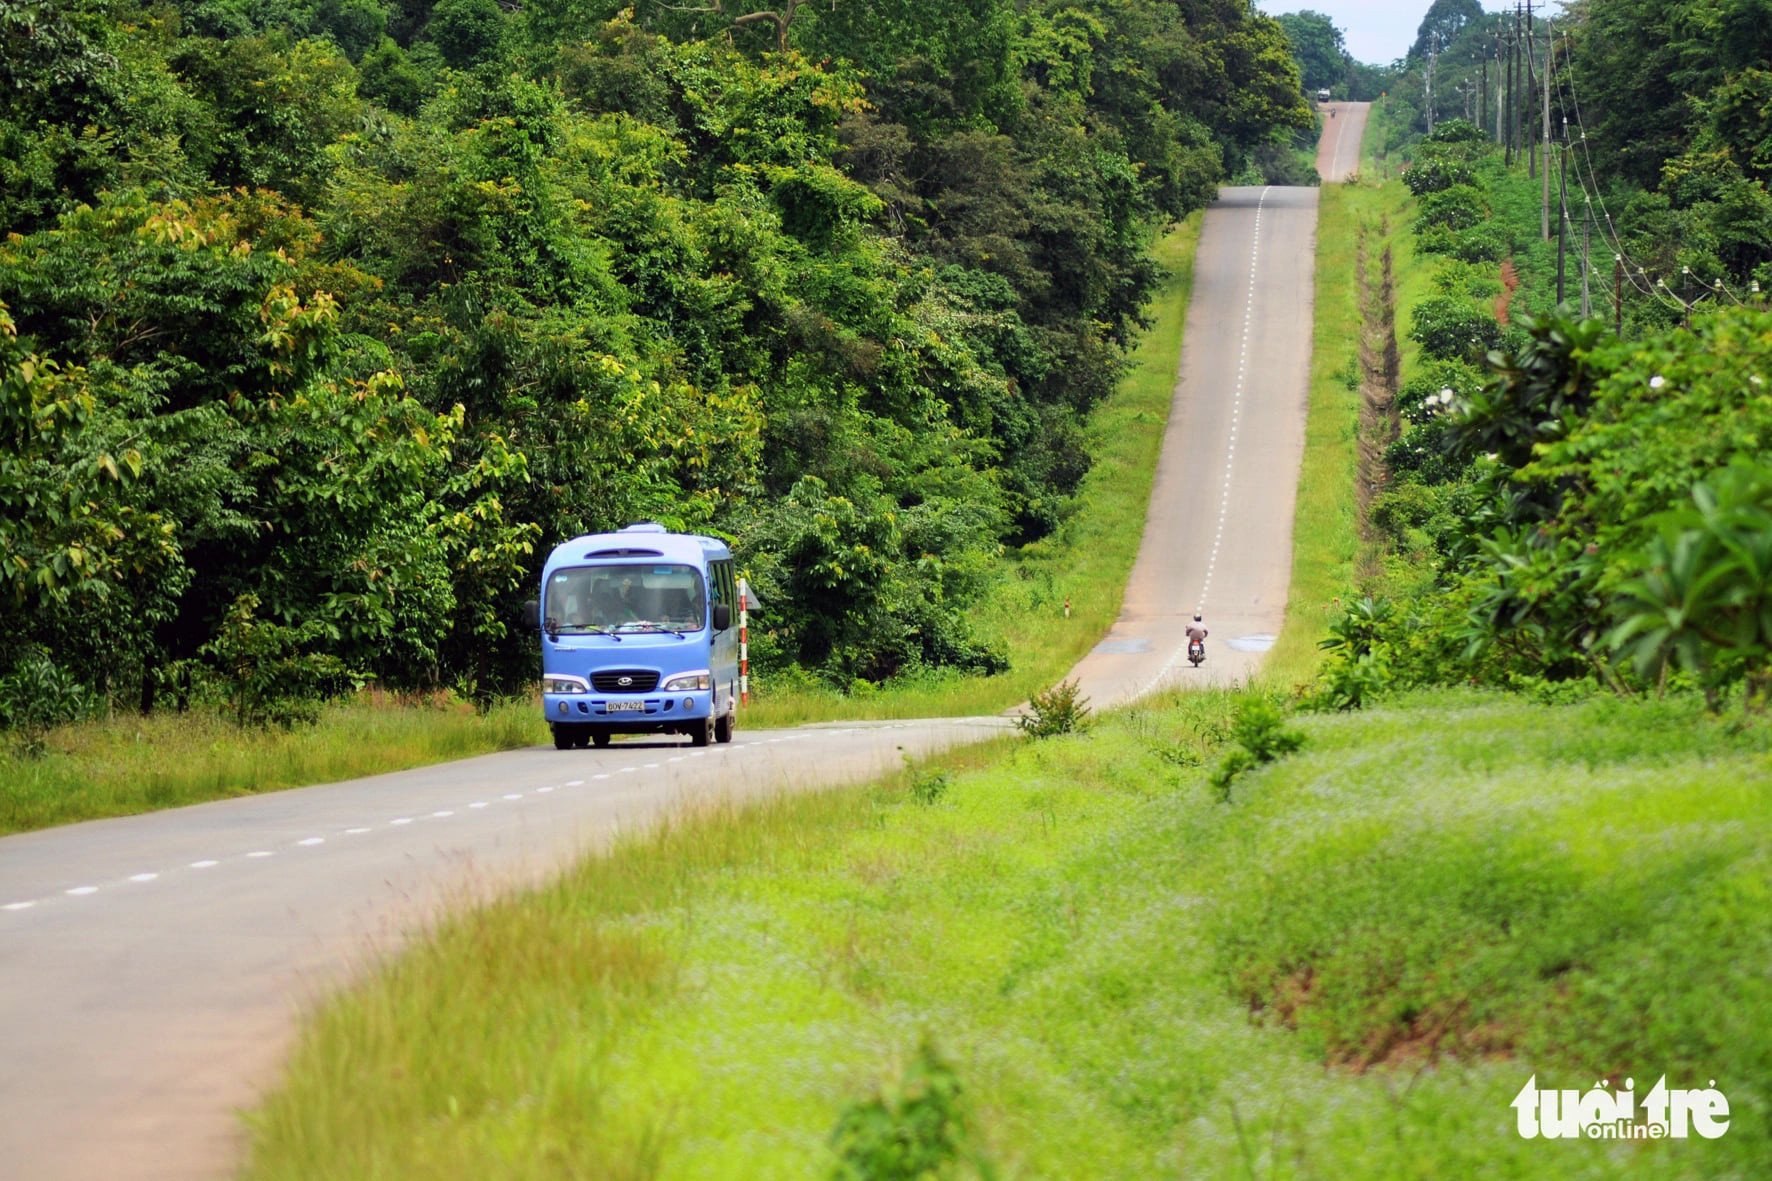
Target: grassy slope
<point x="1130" y="979"/>
<point x="130" y="765"/>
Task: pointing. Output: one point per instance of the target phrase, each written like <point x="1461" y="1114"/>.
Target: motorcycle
<point x="1196" y="652"/>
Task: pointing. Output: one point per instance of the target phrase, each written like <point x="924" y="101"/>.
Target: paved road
<point x="151" y="967"/>
<point x="1338" y="151"/>
<point x="1218" y="534"/>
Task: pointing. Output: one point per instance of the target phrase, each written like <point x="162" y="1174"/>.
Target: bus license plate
<point x="616" y="707"/>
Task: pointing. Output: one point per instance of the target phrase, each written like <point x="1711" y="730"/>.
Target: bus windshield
<point x="642" y="596"/>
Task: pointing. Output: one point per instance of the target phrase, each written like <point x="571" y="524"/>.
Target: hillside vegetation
<point x="1071" y="959"/>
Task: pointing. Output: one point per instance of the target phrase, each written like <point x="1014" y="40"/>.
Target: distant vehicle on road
<point x="1322" y="96"/>
<point x="637" y="637"/>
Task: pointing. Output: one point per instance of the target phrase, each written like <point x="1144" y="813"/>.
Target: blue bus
<point x="637" y="637"/>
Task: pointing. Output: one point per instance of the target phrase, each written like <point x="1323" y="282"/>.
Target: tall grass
<point x="1349" y="971"/>
<point x="130" y="764"/>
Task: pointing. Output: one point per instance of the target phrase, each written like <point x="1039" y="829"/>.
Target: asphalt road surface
<point x="1218" y="533"/>
<point x="1338" y="151"/>
<point x="152" y="968"/>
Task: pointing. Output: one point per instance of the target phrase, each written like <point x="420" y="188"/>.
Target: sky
<point x="1376" y="32"/>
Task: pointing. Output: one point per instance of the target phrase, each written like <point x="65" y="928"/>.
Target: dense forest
<point x="320" y="320"/>
<point x="1573" y="491"/>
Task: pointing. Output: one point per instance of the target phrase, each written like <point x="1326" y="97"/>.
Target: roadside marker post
<point x="744" y="642"/>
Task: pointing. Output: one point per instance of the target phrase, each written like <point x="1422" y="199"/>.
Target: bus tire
<point x="724" y="725"/>
<point x="702" y="732"/>
<point x="600" y="738"/>
<point x="564" y="738"/>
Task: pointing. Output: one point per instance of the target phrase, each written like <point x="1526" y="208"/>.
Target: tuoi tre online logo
<point x="1600" y="1114"/>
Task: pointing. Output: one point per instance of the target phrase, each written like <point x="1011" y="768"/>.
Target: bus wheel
<point x="702" y="733"/>
<point x="724" y="725"/>
<point x="563" y="737"/>
<point x="599" y="738"/>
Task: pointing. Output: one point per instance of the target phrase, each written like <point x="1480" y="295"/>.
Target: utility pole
<point x="1528" y="133"/>
<point x="1500" y="103"/>
<point x="1482" y="88"/>
<point x="1587" y="231"/>
<point x="1513" y="93"/>
<point x="1562" y="200"/>
<point x="1549" y="51"/>
<point x="1433" y="55"/>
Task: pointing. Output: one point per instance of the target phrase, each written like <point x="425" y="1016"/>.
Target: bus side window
<point x="721" y="583"/>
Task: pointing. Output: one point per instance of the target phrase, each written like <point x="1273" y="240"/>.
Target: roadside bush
<point x="1438" y="167"/>
<point x="915" y="1132"/>
<point x="1261" y="735"/>
<point x="36" y="695"/>
<point x="1703" y="602"/>
<point x="1482" y="243"/>
<point x="1459" y="207"/>
<point x="927" y="787"/>
<point x="273" y="676"/>
<point x="1059" y="710"/>
<point x="1451" y="329"/>
<point x="1360" y="668"/>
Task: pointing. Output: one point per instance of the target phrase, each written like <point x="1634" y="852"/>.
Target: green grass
<point x="1324" y="532"/>
<point x="131" y="764"/>
<point x="1087" y="561"/>
<point x="1348" y="971"/>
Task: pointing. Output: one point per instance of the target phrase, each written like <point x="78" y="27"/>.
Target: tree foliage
<point x="325" y="318"/>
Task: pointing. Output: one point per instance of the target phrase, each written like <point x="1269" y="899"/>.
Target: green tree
<point x="1444" y="21"/>
<point x="1318" y="47"/>
<point x="467" y="32"/>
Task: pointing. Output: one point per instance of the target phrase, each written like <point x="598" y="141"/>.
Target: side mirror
<point x="722" y="616"/>
<point x="532" y="613"/>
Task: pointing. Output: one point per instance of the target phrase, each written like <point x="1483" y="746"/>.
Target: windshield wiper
<point x="648" y="625"/>
<point x="581" y="629"/>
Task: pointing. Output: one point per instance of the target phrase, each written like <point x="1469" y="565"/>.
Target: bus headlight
<point x="564" y="684"/>
<point x="689" y="681"/>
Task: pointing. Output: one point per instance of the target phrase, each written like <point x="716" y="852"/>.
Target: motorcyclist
<point x="1196" y="631"/>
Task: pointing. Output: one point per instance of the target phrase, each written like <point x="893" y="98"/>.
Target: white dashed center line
<point x="402" y="821"/>
<point x="1230" y="453"/>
